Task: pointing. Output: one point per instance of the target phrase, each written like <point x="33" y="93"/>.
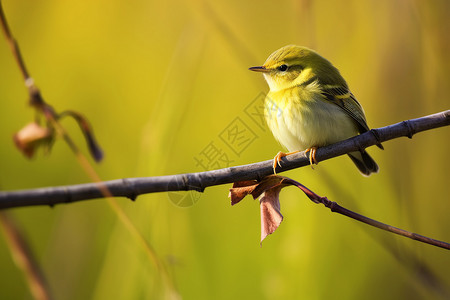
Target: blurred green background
<point x="161" y="81"/>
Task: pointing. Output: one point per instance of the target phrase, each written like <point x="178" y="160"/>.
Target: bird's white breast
<point x="302" y="118"/>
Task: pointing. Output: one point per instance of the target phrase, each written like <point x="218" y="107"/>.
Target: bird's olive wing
<point x="342" y="97"/>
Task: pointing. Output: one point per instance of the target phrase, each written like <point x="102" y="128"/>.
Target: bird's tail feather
<point x="364" y="162"/>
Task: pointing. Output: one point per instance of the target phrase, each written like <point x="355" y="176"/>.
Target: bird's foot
<point x="278" y="157"/>
<point x="312" y="156"/>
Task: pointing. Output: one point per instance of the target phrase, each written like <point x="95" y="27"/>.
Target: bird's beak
<point x="259" y="69"/>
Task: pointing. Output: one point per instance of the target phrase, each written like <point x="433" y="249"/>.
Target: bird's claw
<point x="277" y="159"/>
<point x="312" y="156"/>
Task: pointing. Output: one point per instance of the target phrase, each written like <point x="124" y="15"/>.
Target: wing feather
<point x="342" y="97"/>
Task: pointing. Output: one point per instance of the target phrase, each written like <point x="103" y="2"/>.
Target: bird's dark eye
<point x="283" y="68"/>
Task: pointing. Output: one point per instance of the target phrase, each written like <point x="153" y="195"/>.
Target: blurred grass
<point x="159" y="81"/>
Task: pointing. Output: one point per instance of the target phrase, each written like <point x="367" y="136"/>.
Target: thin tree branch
<point x="133" y="187"/>
<point x="334" y="207"/>
<point x="13" y="44"/>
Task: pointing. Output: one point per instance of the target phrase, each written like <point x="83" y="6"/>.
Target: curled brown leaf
<point x="271" y="216"/>
<point x="241" y="189"/>
<point x="32" y="136"/>
<point x="269" y="189"/>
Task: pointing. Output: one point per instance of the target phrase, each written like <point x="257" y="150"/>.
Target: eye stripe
<point x="285" y="67"/>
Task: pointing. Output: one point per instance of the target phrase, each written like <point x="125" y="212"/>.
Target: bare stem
<point x="13" y="44"/>
<point x="334" y="207"/>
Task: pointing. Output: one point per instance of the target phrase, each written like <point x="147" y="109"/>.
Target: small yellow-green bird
<point x="309" y="105"/>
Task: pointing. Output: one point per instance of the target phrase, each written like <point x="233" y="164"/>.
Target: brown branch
<point x="13" y="44"/>
<point x="133" y="187"/>
<point x="334" y="207"/>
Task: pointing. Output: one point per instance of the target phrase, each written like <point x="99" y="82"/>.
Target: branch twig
<point x="13" y="44"/>
<point x="334" y="207"/>
<point x="133" y="187"/>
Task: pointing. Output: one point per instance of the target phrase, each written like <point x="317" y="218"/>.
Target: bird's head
<point x="293" y="65"/>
